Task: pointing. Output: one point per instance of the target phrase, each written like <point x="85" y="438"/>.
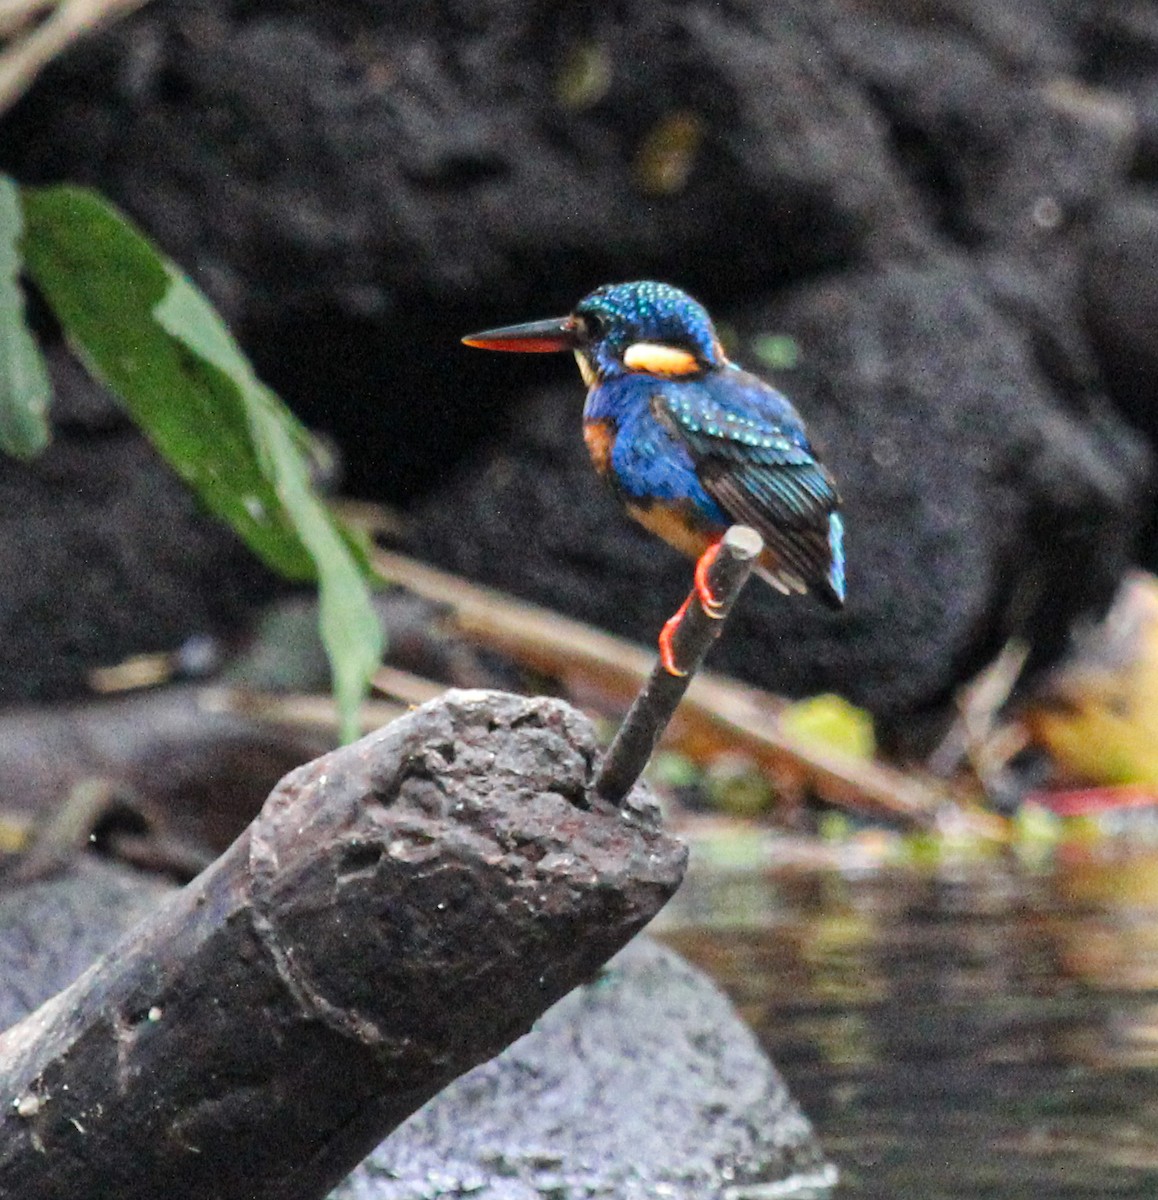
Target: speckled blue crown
<point x="652" y="312"/>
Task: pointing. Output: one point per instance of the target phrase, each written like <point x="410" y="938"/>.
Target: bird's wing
<point x="751" y="455"/>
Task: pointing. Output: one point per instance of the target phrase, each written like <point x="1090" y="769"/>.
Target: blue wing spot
<point x="836" y="544"/>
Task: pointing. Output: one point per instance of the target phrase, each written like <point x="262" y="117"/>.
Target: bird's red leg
<point x="708" y="601"/>
<point x="666" y="653"/>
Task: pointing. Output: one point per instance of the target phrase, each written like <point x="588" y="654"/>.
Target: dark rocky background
<point x="950" y="205"/>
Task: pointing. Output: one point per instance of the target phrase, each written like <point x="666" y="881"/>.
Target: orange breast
<point x="673" y="523"/>
<point x="600" y="438"/>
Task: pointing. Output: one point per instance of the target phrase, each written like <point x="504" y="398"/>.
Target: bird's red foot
<point x="709" y="602"/>
<point x="666" y="651"/>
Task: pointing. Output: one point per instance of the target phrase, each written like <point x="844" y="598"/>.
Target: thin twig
<point x="296" y="710"/>
<point x="974" y="734"/>
<point x="16" y="15"/>
<point x="535" y="637"/>
<point x="67" y="830"/>
<point x="692" y="637"/>
<point x="405" y="686"/>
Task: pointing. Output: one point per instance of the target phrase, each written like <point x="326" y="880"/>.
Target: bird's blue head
<point x="646" y="326"/>
<point x="621" y="329"/>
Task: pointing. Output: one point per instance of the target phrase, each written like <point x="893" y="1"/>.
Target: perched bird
<point x="689" y="441"/>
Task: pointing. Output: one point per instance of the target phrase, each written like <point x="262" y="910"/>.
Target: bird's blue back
<point x="651" y="460"/>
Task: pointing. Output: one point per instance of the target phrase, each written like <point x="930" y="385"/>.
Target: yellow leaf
<point x="668" y="153"/>
<point x="832" y="723"/>
<point x="1098" y="715"/>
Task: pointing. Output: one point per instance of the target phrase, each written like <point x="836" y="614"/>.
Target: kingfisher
<point x="690" y="442"/>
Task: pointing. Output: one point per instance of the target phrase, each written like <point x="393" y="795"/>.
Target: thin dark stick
<point x="693" y="637"/>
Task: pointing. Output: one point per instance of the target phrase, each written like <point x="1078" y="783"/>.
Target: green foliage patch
<point x="24" y="386"/>
<point x="149" y="334"/>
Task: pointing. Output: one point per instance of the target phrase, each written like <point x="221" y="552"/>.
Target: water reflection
<point x="989" y="1031"/>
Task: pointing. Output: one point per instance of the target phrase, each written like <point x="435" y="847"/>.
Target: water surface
<point x="986" y="1030"/>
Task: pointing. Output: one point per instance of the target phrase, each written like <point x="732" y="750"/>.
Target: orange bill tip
<point x="534" y="337"/>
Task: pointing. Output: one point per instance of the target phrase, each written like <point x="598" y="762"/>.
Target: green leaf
<point x="24" y="386"/>
<point x="351" y="631"/>
<point x="147" y="331"/>
<point x="105" y="283"/>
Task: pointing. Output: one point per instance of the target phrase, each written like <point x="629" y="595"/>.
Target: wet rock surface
<point x="642" y="1083"/>
<point x="644" y="1078"/>
<point x="52" y="930"/>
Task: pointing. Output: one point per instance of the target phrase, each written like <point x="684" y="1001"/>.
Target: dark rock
<point x="1003" y="146"/>
<point x="295" y="158"/>
<point x="987" y="500"/>
<point x="977" y="505"/>
<point x="109" y="552"/>
<point x="1119" y="40"/>
<point x="644" y="1079"/>
<point x="644" y="1083"/>
<point x="53" y="930"/>
<point x="1145" y="165"/>
<point x="356" y="194"/>
<point x="1121" y="299"/>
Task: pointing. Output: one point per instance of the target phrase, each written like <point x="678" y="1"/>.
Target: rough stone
<point x="644" y="1079"/>
<point x="1003" y="142"/>
<point x="356" y="191"/>
<point x="1121" y="297"/>
<point x="295" y="157"/>
<point x="643" y="1083"/>
<point x="52" y="930"/>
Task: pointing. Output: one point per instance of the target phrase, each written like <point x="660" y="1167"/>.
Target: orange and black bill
<point x="535" y="337"/>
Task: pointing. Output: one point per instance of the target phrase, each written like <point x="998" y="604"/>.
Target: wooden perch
<point x="694" y="633"/>
<point x="400" y="910"/>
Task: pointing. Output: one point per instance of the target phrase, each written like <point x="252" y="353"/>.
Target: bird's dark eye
<point x="591" y="326"/>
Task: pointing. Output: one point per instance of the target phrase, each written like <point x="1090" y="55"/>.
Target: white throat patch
<point x="657" y="359"/>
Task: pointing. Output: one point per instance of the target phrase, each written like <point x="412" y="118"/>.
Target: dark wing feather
<point x="753" y="458"/>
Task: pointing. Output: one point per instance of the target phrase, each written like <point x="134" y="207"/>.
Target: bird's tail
<point x="833" y="594"/>
<point x="829" y="587"/>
